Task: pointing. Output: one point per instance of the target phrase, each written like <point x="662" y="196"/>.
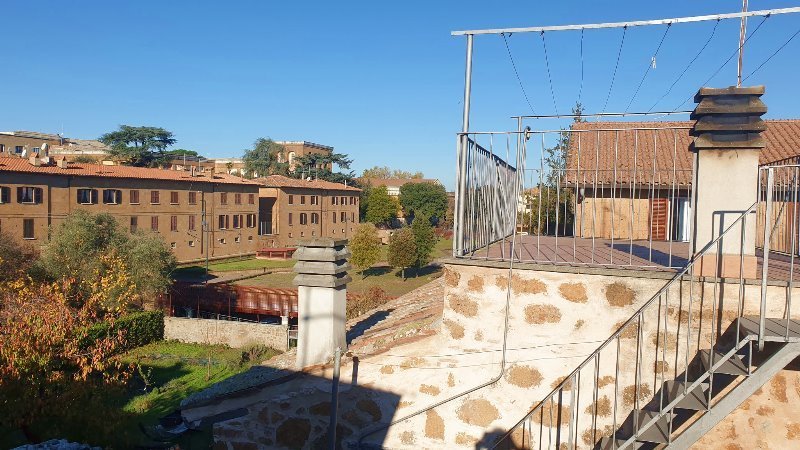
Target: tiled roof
<point x="98" y="170"/>
<point x="280" y="181"/>
<point x="396" y="182"/>
<point x="645" y="152"/>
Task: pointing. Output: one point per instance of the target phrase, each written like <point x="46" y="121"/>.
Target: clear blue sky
<point x="380" y="81"/>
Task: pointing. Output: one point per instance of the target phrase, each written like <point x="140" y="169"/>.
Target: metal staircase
<point x="701" y="342"/>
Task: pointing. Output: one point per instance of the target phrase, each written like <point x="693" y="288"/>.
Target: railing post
<point x="762" y="313"/>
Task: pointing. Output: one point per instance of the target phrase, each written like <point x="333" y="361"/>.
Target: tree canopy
<point x="402" y="250"/>
<point x="365" y="246"/>
<point x="386" y="173"/>
<point x="381" y="207"/>
<point x="139" y="146"/>
<point x="319" y="165"/>
<point x="424" y="198"/>
<point x="424" y="239"/>
<point x="264" y="159"/>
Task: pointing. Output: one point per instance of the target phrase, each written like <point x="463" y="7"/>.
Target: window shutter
<point x="19" y="195"/>
<point x="37" y="195"/>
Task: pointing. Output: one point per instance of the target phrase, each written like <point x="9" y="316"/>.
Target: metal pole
<point x="765" y="264"/>
<point x="205" y="228"/>
<point x="337" y="359"/>
<point x="742" y="33"/>
<point x="462" y="154"/>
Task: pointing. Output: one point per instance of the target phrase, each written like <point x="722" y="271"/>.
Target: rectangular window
<point x="29" y="195"/>
<point x="237" y="198"/>
<point x="18" y="149"/>
<point x="237" y="221"/>
<point x="334" y="200"/>
<point x="134" y="197"/>
<point x="87" y="196"/>
<point x="191" y="223"/>
<point x="154" y="198"/>
<point x="173" y="198"/>
<point x="251" y="199"/>
<point x="2" y="148"/>
<point x="251" y="221"/>
<point x="173" y="223"/>
<point x="303" y="218"/>
<point x="134" y="224"/>
<point x="290" y="218"/>
<point x="352" y="200"/>
<point x="154" y="223"/>
<point x="191" y="243"/>
<point x="27" y="229"/>
<point x="291" y="199"/>
<point x="333" y="217"/>
<point x="224" y="222"/>
<point x="173" y="245"/>
<point x="223" y="198"/>
<point x="314" y="218"/>
<point x="302" y="199"/>
<point x="237" y="239"/>
<point x="5" y="194"/>
<point x="112" y="196"/>
<point x="344" y="217"/>
<point x="344" y="201"/>
<point x="314" y="200"/>
<point x="192" y="197"/>
<point x="352" y="217"/>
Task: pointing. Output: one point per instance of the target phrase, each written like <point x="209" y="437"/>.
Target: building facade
<point x="36" y="197"/>
<point x="292" y="210"/>
<point x="296" y="149"/>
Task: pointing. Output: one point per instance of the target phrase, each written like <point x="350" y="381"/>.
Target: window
<point x="302" y="234"/>
<point x="303" y="218"/>
<point x="87" y="196"/>
<point x="29" y="195"/>
<point x="173" y="198"/>
<point x="237" y="198"/>
<point x="251" y="221"/>
<point x="291" y="199"/>
<point x="315" y="200"/>
<point x="223" y="198"/>
<point x="27" y="229"/>
<point x="334" y="200"/>
<point x="134" y="197"/>
<point x="5" y="194"/>
<point x="251" y="199"/>
<point x="302" y="199"/>
<point x="173" y="223"/>
<point x="224" y="221"/>
<point x="154" y="223"/>
<point x="192" y="197"/>
<point x="173" y="245"/>
<point x="249" y="238"/>
<point x="154" y="198"/>
<point x="37" y="150"/>
<point x="237" y="239"/>
<point x="344" y="201"/>
<point x="333" y="217"/>
<point x="237" y="221"/>
<point x="222" y="241"/>
<point x="18" y="149"/>
<point x="290" y="235"/>
<point x="314" y="218"/>
<point x="352" y="200"/>
<point x="344" y="217"/>
<point x="2" y="148"/>
<point x="313" y="232"/>
<point x="352" y="217"/>
<point x="191" y="243"/>
<point x="134" y="224"/>
<point x="191" y="223"/>
<point x="112" y="196"/>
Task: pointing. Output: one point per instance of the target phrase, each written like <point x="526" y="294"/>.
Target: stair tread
<point x="731" y="366"/>
<point x="695" y="400"/>
<point x="652" y="430"/>
<point x="774" y="329"/>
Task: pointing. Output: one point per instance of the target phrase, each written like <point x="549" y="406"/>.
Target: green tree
<point x="365" y="245"/>
<point x="139" y="146"/>
<point x="385" y="173"/>
<point x="402" y="250"/>
<point x="424" y="239"/>
<point x="363" y="201"/>
<point x="381" y="207"/>
<point x="424" y="198"/>
<point x="83" y="248"/>
<point x="319" y="166"/>
<point x="264" y="159"/>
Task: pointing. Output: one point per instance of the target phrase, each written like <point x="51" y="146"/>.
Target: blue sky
<point x="380" y="81"/>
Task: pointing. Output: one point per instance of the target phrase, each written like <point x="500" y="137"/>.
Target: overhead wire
<point x="686" y="69"/>
<point x="549" y="77"/>
<point x="772" y="55"/>
<point x="514" y="66"/>
<point x="616" y="66"/>
<point x="649" y="66"/>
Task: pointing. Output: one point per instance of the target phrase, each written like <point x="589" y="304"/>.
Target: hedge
<point x="141" y="328"/>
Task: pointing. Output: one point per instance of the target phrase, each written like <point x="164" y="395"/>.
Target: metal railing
<point x="671" y="346"/>
<point x="595" y="194"/>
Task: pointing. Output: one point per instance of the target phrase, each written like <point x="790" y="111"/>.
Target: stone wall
<point x="232" y="334"/>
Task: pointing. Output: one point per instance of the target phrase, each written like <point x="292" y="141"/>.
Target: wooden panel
<point x="659" y="216"/>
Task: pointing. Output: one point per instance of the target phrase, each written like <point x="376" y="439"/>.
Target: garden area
<point x="196" y="271"/>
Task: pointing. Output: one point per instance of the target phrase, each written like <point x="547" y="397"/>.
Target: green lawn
<point x="113" y="418"/>
<point x="230" y="266"/>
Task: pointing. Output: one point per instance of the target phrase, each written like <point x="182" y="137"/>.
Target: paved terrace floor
<point x="638" y="255"/>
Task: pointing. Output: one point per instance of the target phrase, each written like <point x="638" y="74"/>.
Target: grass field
<point x="231" y="266"/>
<point x="169" y="372"/>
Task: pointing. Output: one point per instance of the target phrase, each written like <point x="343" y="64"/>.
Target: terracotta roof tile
<point x="98" y="170"/>
<point x="280" y="181"/>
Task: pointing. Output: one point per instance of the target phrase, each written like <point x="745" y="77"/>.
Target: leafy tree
<point x="319" y="165"/>
<point x="424" y="198"/>
<point x="424" y="239"/>
<point x="385" y="173"/>
<point x="381" y="207"/>
<point x="365" y="246"/>
<point x="402" y="250"/>
<point x="178" y="152"/>
<point x="15" y="259"/>
<point x="139" y="146"/>
<point x="363" y="201"/>
<point x="84" y="245"/>
<point x="84" y="159"/>
<point x="264" y="159"/>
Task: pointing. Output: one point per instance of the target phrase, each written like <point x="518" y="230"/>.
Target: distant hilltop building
<point x="25" y="144"/>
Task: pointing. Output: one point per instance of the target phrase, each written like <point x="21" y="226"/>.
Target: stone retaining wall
<point x="233" y="334"/>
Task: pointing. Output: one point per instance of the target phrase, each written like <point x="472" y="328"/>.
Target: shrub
<point x="361" y="303"/>
<point x="140" y="328"/>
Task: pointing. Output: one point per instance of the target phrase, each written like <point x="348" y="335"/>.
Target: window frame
<point x="134" y="224"/>
<point x="192" y="197"/>
<point x="155" y="197"/>
<point x="154" y="223"/>
<point x="36" y="195"/>
<point x="291" y="199"/>
<point x="303" y="219"/>
<point x="117" y="194"/>
<point x="5" y="195"/>
<point x="223" y="198"/>
<point x="174" y="198"/>
<point x="251" y="199"/>
<point x="314" y="218"/>
<point x="237" y="198"/>
<point x="173" y="223"/>
<point x="26" y="224"/>
<point x="133" y="196"/>
<point x="192" y="223"/>
<point x="92" y="199"/>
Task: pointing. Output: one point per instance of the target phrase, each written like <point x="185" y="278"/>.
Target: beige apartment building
<point x="35" y="196"/>
<point x="292" y="210"/>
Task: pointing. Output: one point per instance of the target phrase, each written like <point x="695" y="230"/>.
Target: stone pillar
<point x="727" y="147"/>
<point x="321" y="299"/>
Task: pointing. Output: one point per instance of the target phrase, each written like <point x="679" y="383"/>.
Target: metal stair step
<point x="774" y="329"/>
<point x="652" y="430"/>
<point x="613" y="443"/>
<point x="695" y="400"/>
<point x="731" y="366"/>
